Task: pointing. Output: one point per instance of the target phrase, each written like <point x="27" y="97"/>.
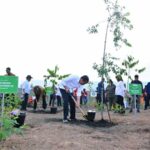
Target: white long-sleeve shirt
<point x="26" y="87"/>
<point x="71" y="83"/>
<point x="120" y="89"/>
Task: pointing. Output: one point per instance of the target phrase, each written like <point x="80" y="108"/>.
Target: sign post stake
<point x="2" y="105"/>
<point x="134" y="104"/>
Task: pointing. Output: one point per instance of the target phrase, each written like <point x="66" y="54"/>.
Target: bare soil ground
<point x="46" y="131"/>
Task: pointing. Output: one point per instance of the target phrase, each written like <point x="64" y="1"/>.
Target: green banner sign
<point x="8" y="84"/>
<point x="135" y="89"/>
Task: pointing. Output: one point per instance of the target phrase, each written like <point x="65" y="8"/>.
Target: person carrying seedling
<point x="66" y="86"/>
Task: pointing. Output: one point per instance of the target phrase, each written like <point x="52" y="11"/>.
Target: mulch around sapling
<point x="80" y="122"/>
<point x="97" y="123"/>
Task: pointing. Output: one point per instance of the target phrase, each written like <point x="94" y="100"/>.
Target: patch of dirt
<point x="46" y="131"/>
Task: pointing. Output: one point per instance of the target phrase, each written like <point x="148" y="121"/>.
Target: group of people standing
<point x="114" y="94"/>
<point x="65" y="87"/>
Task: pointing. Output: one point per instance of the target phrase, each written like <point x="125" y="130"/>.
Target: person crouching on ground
<point x="66" y="87"/>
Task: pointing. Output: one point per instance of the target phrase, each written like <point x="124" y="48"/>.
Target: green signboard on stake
<point x="8" y="84"/>
<point x="135" y="89"/>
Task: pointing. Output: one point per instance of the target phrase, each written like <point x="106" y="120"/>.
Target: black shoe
<point x="138" y="111"/>
<point x="130" y="111"/>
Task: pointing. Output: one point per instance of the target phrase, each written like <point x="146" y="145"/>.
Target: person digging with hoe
<point x="66" y="87"/>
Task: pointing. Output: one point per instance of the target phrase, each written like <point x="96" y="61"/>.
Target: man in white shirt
<point x="26" y="89"/>
<point x="66" y="87"/>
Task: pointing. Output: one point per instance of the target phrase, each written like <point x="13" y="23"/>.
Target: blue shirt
<point x="100" y="87"/>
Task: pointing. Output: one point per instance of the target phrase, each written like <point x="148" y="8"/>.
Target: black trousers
<point x="44" y="104"/>
<point x="147" y="101"/>
<point x="99" y="98"/>
<point x="68" y="101"/>
<point x="52" y="99"/>
<point x="58" y="100"/>
<point x="25" y="101"/>
<point x="119" y="100"/>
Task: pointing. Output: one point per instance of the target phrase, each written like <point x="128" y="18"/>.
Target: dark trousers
<point x="111" y="100"/>
<point x="44" y="104"/>
<point x="119" y="100"/>
<point x="58" y="100"/>
<point x="147" y="100"/>
<point x="99" y="98"/>
<point x="68" y="101"/>
<point x="52" y="99"/>
<point x="84" y="99"/>
<point x="81" y="102"/>
<point x="25" y="101"/>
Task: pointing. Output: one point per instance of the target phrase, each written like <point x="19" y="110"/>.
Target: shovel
<point x="81" y="110"/>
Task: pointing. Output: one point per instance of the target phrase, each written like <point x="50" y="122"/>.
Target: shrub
<point x="7" y="121"/>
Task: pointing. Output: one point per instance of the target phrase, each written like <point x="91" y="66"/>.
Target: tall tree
<point x="117" y="21"/>
<point x="110" y="66"/>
